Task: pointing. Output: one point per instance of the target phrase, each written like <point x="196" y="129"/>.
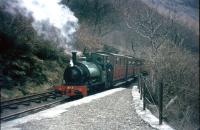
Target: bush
<point x="26" y="57"/>
<point x="178" y="68"/>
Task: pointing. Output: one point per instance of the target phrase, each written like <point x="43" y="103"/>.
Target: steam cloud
<point x="52" y="20"/>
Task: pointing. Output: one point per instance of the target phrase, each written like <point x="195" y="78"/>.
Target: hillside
<point x="184" y="11"/>
<point x="27" y="60"/>
<point x="35" y="52"/>
<point x="107" y="23"/>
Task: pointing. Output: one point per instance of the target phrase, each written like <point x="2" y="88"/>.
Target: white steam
<point x="52" y="20"/>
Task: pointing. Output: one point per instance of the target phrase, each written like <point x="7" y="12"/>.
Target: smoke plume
<point x="51" y="19"/>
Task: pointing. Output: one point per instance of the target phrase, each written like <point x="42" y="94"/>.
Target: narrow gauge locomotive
<point x="99" y="70"/>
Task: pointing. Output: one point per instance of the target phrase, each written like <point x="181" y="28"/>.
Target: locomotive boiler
<point x="99" y="70"/>
<point x="81" y="71"/>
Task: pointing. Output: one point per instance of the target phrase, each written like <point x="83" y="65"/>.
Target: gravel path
<point x="113" y="112"/>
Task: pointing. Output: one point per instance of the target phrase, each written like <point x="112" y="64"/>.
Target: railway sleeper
<point x="37" y="101"/>
<point x="44" y="99"/>
<point x="58" y="95"/>
<point x="53" y="97"/>
<point x="13" y="106"/>
<point x="26" y="103"/>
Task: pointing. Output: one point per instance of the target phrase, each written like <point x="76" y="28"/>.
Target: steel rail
<point x="7" y="103"/>
<point x="11" y="116"/>
<point x="14" y="99"/>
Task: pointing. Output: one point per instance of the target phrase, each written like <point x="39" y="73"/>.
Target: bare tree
<point x="167" y="58"/>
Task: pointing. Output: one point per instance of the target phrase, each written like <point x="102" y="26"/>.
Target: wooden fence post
<point x="139" y="82"/>
<point x="141" y="87"/>
<point x="160" y="102"/>
<point x="144" y="94"/>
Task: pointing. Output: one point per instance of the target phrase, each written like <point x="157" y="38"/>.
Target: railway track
<point x="13" y="104"/>
<point x="31" y="110"/>
<point x="17" y="101"/>
<point x="10" y="108"/>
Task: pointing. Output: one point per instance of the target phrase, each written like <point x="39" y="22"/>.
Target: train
<point x="98" y="70"/>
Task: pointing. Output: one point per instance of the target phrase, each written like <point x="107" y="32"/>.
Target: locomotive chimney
<point x="74" y="57"/>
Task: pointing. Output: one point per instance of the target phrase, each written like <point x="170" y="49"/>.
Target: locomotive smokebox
<point x="72" y="75"/>
<point x="74" y="57"/>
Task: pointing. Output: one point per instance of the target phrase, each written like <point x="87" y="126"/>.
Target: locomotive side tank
<point x="81" y="72"/>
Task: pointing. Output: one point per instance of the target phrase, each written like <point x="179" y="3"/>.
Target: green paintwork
<point x="92" y="68"/>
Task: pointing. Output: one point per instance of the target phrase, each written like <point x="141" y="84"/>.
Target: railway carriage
<point x="99" y="70"/>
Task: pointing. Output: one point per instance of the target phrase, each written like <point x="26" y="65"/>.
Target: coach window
<point x="138" y="63"/>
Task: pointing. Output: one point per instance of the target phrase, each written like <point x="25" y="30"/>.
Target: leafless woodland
<point x="166" y="57"/>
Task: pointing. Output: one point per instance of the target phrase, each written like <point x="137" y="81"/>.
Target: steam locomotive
<point x="98" y="70"/>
